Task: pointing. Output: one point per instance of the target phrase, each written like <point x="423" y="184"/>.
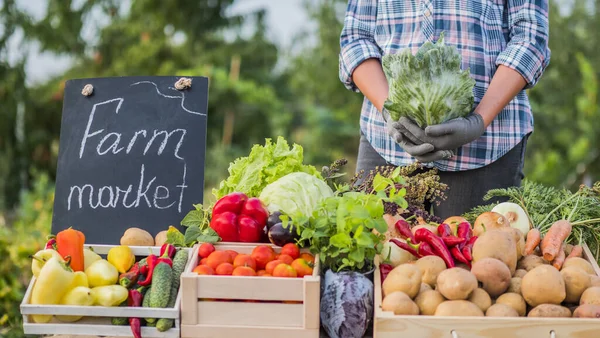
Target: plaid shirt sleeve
<point x="527" y="51"/>
<point x="357" y="41"/>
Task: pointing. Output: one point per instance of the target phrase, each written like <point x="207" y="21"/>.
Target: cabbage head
<point x="428" y="87"/>
<point x="294" y="194"/>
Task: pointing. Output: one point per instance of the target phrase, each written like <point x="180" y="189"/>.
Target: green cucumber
<point x="179" y="261"/>
<point x="161" y="285"/>
<point x="146" y="303"/>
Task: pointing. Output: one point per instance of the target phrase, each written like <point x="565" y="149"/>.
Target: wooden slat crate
<point x="225" y="306"/>
<point x="386" y="324"/>
<point x="97" y="319"/>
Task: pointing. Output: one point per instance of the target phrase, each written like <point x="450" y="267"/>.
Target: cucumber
<point x="146" y="303"/>
<point x="179" y="261"/>
<point x="161" y="285"/>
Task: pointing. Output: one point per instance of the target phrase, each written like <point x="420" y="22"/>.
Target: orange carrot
<point x="552" y="242"/>
<point x="560" y="258"/>
<point x="577" y="251"/>
<point x="533" y="240"/>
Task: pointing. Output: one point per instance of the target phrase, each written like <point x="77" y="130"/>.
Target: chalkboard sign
<point x="131" y="155"/>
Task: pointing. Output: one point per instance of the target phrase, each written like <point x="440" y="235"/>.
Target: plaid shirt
<point x="487" y="33"/>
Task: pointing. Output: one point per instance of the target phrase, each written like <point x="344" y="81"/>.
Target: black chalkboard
<point x="131" y="155"/>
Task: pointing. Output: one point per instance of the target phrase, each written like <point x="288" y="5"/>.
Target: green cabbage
<point x="296" y="194"/>
<point x="429" y="87"/>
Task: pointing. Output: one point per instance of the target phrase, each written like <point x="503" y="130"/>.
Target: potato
<point x="400" y="304"/>
<point x="543" y="285"/>
<point x="405" y="278"/>
<point x="493" y="275"/>
<point x="137" y="237"/>
<point x="489" y="221"/>
<point x="515" y="301"/>
<point x="587" y="311"/>
<point x="428" y="301"/>
<point x="160" y="238"/>
<point x="590" y="296"/>
<point x="501" y="310"/>
<point x="576" y="282"/>
<point x="480" y="298"/>
<point x="496" y="244"/>
<point x="520" y="273"/>
<point x="515" y="285"/>
<point x="519" y="239"/>
<point x="430" y="267"/>
<point x="456" y="283"/>
<point x="458" y="308"/>
<point x="549" y="310"/>
<point x="580" y="262"/>
<point x="594" y="280"/>
<point x="425" y="287"/>
<point x="530" y="262"/>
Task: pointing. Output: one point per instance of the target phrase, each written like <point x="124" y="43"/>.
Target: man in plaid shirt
<point x="504" y="43"/>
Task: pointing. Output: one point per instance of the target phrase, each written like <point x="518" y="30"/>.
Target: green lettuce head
<point x="429" y="87"/>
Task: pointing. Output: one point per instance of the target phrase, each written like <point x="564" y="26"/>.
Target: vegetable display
<point x="428" y="87"/>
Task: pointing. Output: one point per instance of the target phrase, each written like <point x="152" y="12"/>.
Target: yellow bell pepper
<point x="109" y="295"/>
<point x="89" y="257"/>
<point x="121" y="257"/>
<point x="79" y="280"/>
<point x="81" y="296"/>
<point x="40" y="258"/>
<point x="51" y="285"/>
<point x="101" y="273"/>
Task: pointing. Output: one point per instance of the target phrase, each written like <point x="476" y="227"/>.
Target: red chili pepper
<point x="129" y="278"/>
<point x="423" y="249"/>
<point x="452" y="240"/>
<point x="444" y="230"/>
<point x="144" y="270"/>
<point x="168" y="249"/>
<point x="403" y="227"/>
<point x="464" y="231"/>
<point x="406" y="247"/>
<point x="135" y="299"/>
<point x="459" y="256"/>
<point x="51" y="244"/>
<point x="153" y="261"/>
<point x="384" y="270"/>
<point x="466" y="251"/>
<point x="437" y="244"/>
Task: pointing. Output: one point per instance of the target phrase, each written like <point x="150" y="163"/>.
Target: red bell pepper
<point x="467" y="250"/>
<point x="437" y="244"/>
<point x="403" y="227"/>
<point x="237" y="218"/>
<point x="135" y="299"/>
<point x="153" y="261"/>
<point x="384" y="270"/>
<point x="168" y="249"/>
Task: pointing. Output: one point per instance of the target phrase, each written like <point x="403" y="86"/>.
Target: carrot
<point x="552" y="242"/>
<point x="576" y="252"/>
<point x="533" y="240"/>
<point x="560" y="258"/>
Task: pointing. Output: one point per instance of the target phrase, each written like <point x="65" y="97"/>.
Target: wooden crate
<point x="97" y="320"/>
<point x="386" y="324"/>
<point x="202" y="316"/>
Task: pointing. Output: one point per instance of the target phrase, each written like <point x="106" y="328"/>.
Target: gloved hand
<point x="449" y="135"/>
<point x="421" y="151"/>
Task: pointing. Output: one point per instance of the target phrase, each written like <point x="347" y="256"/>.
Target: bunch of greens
<point x="197" y="223"/>
<point x="341" y="228"/>
<point x="264" y="165"/>
<point x="546" y="205"/>
<point x="428" y="87"/>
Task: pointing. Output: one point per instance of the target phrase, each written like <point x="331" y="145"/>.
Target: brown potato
<point x="400" y="304"/>
<point x="543" y="285"/>
<point x="405" y="278"/>
<point x="489" y="221"/>
<point x="576" y="282"/>
<point x="515" y="285"/>
<point x="587" y="311"/>
<point x="530" y="262"/>
<point x="515" y="301"/>
<point x="594" y="280"/>
<point x="137" y="237"/>
<point x="549" y="310"/>
<point x="580" y="262"/>
<point x="590" y="296"/>
<point x="424" y="287"/>
<point x="428" y="302"/>
<point x="480" y="298"/>
<point x="430" y="267"/>
<point x="456" y="283"/>
<point x="496" y="244"/>
<point x="520" y="273"/>
<point x="160" y="238"/>
<point x="519" y="239"/>
<point x="493" y="274"/>
<point x="501" y="310"/>
<point x="461" y="308"/>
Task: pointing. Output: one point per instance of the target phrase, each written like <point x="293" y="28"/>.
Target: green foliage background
<point x="303" y="100"/>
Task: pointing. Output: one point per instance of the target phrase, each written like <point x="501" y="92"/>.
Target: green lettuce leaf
<point x="428" y="87"/>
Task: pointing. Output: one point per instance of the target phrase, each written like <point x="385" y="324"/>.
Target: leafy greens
<point x="428" y="87"/>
